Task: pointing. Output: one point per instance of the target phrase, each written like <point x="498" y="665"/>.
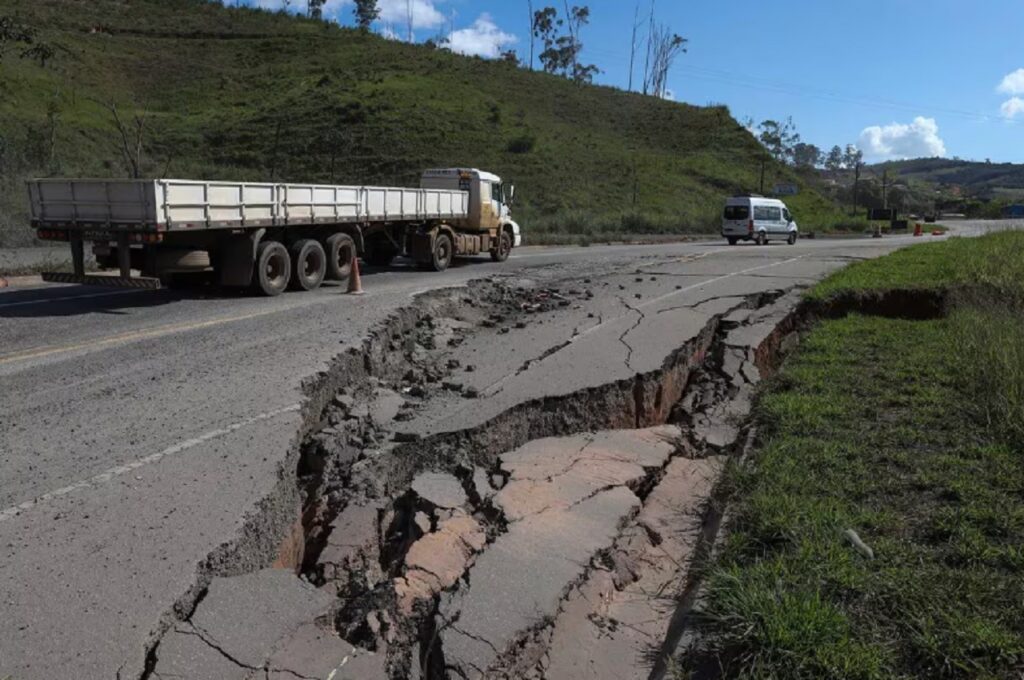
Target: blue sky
<point x="900" y="78"/>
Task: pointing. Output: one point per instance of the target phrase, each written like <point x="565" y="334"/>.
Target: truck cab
<point x="490" y="201"/>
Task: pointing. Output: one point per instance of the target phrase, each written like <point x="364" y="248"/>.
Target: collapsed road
<point x="504" y="479"/>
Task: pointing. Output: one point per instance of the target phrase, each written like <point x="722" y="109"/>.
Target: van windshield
<point x="737" y="212"/>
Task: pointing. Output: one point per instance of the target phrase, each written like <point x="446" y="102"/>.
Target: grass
<point x="910" y="433"/>
<point x="237" y="93"/>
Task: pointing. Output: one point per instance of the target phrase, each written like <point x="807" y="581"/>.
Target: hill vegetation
<point x="189" y="88"/>
<point x="983" y="180"/>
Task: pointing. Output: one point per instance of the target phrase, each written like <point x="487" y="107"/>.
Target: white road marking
<point x="107" y="475"/>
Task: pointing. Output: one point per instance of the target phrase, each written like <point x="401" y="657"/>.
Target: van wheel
<point x="501" y="253"/>
<point x="731" y="240"/>
<point x="762" y="238"/>
<point x="792" y="238"/>
<point x="273" y="268"/>
<point x="309" y="264"/>
<point x="442" y="256"/>
<point x="341" y="250"/>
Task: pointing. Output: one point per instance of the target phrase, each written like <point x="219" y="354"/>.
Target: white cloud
<point x="424" y="13"/>
<point x="1013" y="83"/>
<point x="1012" y="107"/>
<point x="482" y="39"/>
<point x="919" y="139"/>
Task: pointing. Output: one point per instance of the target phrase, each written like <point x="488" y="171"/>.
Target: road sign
<point x="786" y="190"/>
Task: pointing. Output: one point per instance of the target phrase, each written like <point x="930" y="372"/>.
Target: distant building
<point x="1015" y="211"/>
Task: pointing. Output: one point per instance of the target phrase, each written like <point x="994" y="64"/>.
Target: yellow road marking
<point x="40" y="352"/>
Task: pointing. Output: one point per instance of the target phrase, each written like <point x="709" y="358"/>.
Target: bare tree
<point x="408" y="18"/>
<point x="650" y="35"/>
<point x="632" y="46"/>
<point x="665" y="47"/>
<point x="533" y="35"/>
<point x="132" y="134"/>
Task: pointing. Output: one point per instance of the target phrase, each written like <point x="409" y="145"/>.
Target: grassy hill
<point x="983" y="180"/>
<point x="249" y="95"/>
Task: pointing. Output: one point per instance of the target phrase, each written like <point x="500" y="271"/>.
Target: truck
<point x="269" y="236"/>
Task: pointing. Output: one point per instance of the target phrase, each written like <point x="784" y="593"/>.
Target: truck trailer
<point x="269" y="236"/>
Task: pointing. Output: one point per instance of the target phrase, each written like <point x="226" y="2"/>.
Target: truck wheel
<point x="309" y="264"/>
<point x="501" y="253"/>
<point x="341" y="249"/>
<point x="273" y="268"/>
<point x="442" y="256"/>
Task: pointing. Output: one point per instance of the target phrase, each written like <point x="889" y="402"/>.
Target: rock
<point x="353" y="545"/>
<point x="422" y="522"/>
<point x="343" y="400"/>
<point x="482" y="485"/>
<point x="438" y="560"/>
<point x="439" y="490"/>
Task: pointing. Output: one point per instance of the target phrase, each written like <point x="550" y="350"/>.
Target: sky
<point x="898" y="78"/>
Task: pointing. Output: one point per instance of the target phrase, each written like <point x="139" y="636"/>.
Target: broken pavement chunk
<point x="438" y="560"/>
<point x="440" y="490"/>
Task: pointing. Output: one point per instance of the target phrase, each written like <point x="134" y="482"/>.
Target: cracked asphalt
<point x="139" y="430"/>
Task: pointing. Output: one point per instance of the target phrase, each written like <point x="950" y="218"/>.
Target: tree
<point x="806" y="155"/>
<point x="316" y="9"/>
<point x="561" y="52"/>
<point x="664" y="48"/>
<point x="510" y="57"/>
<point x="366" y="12"/>
<point x="779" y="138"/>
<point x="834" y="160"/>
<point x="853" y="159"/>
<point x="132" y="135"/>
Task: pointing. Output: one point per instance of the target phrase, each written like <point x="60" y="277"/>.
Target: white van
<point x="758" y="219"/>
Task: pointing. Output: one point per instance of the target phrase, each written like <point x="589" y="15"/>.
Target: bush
<point x="522" y="144"/>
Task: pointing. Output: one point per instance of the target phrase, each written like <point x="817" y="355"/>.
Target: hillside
<point x="249" y="95"/>
<point x="979" y="179"/>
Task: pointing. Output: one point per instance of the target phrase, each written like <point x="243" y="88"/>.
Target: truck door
<point x="490" y="199"/>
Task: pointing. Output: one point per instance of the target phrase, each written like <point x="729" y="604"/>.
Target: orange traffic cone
<point x="355" y="283"/>
<point x="917" y="228"/>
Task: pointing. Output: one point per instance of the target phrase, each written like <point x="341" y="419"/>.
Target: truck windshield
<point x="737" y="212"/>
<point x="496" y="192"/>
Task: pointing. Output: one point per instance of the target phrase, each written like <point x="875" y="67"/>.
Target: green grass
<point x="910" y="433"/>
<point x="995" y="261"/>
<point x="250" y="95"/>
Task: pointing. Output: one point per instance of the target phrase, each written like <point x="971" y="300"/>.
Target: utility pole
<point x="885" y="188"/>
<point x="650" y="46"/>
<point x="763" y="163"/>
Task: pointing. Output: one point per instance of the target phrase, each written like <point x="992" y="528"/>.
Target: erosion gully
<point x="360" y="505"/>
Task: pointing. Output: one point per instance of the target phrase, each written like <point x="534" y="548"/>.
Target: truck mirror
<point x="511" y="193"/>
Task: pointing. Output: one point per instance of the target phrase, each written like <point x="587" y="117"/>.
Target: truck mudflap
<point x="138" y="283"/>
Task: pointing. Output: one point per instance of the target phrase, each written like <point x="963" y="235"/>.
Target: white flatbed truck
<point x="269" y="236"/>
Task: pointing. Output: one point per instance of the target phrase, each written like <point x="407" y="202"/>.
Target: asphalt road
<point x="139" y="429"/>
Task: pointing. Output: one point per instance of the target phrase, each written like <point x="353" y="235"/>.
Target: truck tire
<point x="504" y="249"/>
<point x="309" y="264"/>
<point x="443" y="251"/>
<point x="273" y="268"/>
<point x="341" y="250"/>
<point x="380" y="252"/>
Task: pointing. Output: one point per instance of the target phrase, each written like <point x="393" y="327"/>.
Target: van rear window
<point x="737" y="212"/>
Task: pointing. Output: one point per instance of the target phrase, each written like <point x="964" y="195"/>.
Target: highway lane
<point x="138" y="430"/>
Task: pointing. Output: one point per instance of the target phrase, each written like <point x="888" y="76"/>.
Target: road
<point x="139" y="430"/>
